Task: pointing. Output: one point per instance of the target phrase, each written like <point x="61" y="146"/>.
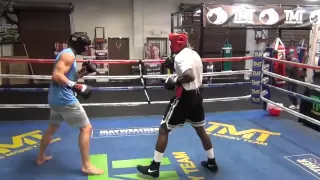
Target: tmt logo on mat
<point x="138" y="131"/>
<point x="229" y="131"/>
<point x="22" y="143"/>
<point x="307" y="162"/>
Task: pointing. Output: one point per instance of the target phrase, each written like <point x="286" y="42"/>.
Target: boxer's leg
<point x="294" y="101"/>
<point x="294" y="98"/>
<point x="174" y="116"/>
<point x="76" y="116"/>
<point x="207" y="145"/>
<point x="305" y="106"/>
<point x="196" y="117"/>
<point x="55" y="121"/>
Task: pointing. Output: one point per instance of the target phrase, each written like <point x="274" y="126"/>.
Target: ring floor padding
<point x="249" y="145"/>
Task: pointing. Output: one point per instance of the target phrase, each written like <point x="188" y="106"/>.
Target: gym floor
<point x="249" y="145"/>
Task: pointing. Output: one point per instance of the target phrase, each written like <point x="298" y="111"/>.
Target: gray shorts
<point x="74" y="115"/>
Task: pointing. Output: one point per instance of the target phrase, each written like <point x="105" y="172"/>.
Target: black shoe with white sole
<point x="151" y="170"/>
<point x="210" y="164"/>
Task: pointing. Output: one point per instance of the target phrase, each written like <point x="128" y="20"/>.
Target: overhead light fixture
<point x="197" y="11"/>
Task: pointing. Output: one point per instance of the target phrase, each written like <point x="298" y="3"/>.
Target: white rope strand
<point x="226" y="99"/>
<point x="292" y="111"/>
<point x="292" y="80"/>
<point x="164" y="76"/>
<point x="122" y="103"/>
<point x="293" y="93"/>
<point x="300" y="65"/>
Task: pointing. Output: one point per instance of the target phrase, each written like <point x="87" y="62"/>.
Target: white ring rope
<point x="300" y="65"/>
<point x="122" y="103"/>
<point x="293" y="93"/>
<point x="292" y="80"/>
<point x="44" y="77"/>
<point x="292" y="111"/>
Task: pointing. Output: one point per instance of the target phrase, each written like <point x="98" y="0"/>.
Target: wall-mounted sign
<point x="270" y="15"/>
<point x="9" y="31"/>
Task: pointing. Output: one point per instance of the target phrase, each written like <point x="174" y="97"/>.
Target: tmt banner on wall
<point x="9" y="31"/>
<point x="262" y="16"/>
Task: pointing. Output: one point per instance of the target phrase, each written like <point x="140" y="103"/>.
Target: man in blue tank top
<point x="64" y="106"/>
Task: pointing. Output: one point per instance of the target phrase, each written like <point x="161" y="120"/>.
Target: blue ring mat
<point x="249" y="145"/>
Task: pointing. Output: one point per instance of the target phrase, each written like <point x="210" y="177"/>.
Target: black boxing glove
<point x="89" y="67"/>
<point x="170" y="83"/>
<point x="169" y="63"/>
<point x="81" y="89"/>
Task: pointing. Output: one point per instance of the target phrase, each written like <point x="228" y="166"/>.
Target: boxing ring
<point x="248" y="144"/>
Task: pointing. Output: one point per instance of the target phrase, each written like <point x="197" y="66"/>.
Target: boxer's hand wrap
<point x="89" y="67"/>
<point x="81" y="89"/>
<point x="171" y="83"/>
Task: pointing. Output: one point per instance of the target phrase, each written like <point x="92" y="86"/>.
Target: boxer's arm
<point x="186" y="77"/>
<point x="62" y="67"/>
<point x="186" y="68"/>
<point x="87" y="68"/>
<point x="81" y="73"/>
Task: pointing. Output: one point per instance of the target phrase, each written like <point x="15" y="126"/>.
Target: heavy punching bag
<point x="301" y="50"/>
<point x="302" y="57"/>
<point x="279" y="68"/>
<point x="292" y="48"/>
<point x="227" y="52"/>
<point x="301" y="54"/>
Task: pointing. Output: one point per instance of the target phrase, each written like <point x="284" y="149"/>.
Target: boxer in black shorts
<point x="293" y="72"/>
<point x="185" y="106"/>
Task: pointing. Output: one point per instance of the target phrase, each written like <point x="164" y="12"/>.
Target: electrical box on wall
<point x="101" y="52"/>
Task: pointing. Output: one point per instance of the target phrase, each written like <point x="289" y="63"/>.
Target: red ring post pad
<point x="256" y="77"/>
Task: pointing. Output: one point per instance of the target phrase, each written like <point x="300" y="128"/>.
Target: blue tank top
<point x="61" y="95"/>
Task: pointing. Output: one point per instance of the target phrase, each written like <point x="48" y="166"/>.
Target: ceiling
<point x="260" y="2"/>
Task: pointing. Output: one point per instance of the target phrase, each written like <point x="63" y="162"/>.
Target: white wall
<point x="136" y="19"/>
<point x="6" y="50"/>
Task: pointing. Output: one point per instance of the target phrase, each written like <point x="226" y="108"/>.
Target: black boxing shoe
<point x="210" y="164"/>
<point x="151" y="170"/>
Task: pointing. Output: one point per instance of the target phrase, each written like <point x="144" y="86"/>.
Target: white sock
<point x="210" y="153"/>
<point x="157" y="156"/>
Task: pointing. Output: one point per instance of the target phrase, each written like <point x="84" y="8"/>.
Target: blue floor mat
<point x="249" y="145"/>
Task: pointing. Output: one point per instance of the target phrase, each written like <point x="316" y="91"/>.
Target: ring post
<point x="312" y="52"/>
<point x="256" y="77"/>
<point x="143" y="80"/>
<point x="268" y="52"/>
